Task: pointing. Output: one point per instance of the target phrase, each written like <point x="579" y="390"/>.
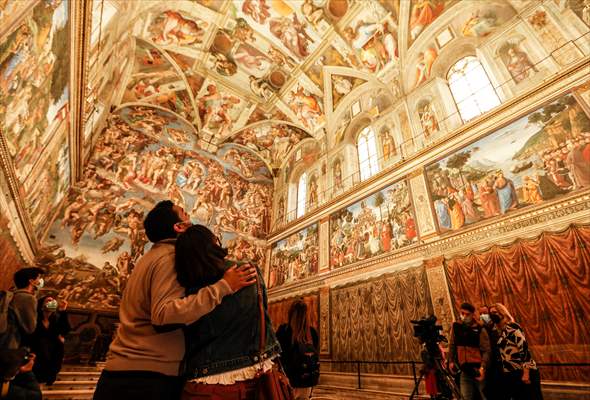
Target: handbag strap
<point x="262" y="318"/>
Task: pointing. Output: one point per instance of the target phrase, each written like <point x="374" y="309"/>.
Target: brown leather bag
<point x="272" y="384"/>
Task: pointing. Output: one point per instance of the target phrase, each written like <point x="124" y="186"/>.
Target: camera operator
<point x="469" y="351"/>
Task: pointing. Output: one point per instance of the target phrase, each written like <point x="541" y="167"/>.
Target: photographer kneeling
<point x="469" y="351"/>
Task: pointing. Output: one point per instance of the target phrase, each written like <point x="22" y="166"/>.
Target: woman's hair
<point x="504" y="311"/>
<point x="197" y="258"/>
<point x="299" y="322"/>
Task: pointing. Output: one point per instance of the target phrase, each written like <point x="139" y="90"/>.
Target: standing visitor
<point x="231" y="347"/>
<point x="21" y="321"/>
<point x="299" y="343"/>
<point x="469" y="351"/>
<point x="520" y="379"/>
<point x="47" y="342"/>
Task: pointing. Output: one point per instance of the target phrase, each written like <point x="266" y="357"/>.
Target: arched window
<point x="471" y="88"/>
<point x="301" y="194"/>
<point x="367" y="150"/>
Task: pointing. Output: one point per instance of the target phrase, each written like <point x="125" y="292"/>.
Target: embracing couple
<point x="190" y="322"/>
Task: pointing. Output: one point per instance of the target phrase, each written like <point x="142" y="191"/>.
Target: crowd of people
<point x="193" y="324"/>
<point x="32" y="337"/>
<point x="491" y="357"/>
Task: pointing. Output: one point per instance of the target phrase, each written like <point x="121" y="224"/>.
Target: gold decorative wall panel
<point x="371" y="320"/>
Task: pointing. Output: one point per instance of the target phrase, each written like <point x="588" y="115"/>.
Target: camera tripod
<point x="444" y="381"/>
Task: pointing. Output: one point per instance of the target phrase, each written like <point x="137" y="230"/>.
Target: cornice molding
<point x="553" y="216"/>
<point x="24" y="236"/>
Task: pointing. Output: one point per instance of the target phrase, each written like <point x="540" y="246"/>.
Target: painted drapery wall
<point x="545" y="284"/>
<point x="371" y="320"/>
<point x="147" y="155"/>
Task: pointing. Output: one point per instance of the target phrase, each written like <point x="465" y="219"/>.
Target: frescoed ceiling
<point x="269" y="73"/>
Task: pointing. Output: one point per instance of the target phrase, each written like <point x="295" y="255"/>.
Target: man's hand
<point x="482" y="375"/>
<point x="28" y="367"/>
<point x="238" y="278"/>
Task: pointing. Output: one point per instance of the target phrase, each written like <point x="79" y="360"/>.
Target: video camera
<point x="427" y="331"/>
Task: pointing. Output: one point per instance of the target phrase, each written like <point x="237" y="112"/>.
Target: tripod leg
<point x="417" y="385"/>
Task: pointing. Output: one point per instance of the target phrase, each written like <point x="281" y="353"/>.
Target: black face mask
<point x="495" y="318"/>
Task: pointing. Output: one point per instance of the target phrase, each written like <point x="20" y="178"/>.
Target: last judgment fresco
<point x="382" y="222"/>
<point x="146" y="155"/>
<point x="536" y="158"/>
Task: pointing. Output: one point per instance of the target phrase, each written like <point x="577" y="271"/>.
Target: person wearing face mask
<point x="494" y="371"/>
<point x="22" y="323"/>
<point x="24" y="304"/>
<point x="469" y="352"/>
<point x="520" y="378"/>
<point x="47" y="342"/>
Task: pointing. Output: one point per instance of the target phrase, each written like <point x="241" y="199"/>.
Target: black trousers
<point x="137" y="385"/>
<point x="514" y="388"/>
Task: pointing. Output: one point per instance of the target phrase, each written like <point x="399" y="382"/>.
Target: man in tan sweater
<point x="143" y="363"/>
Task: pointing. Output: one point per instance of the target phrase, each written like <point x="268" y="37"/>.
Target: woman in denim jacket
<point x="223" y="352"/>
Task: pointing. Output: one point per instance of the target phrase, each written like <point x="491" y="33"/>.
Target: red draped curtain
<point x="279" y="311"/>
<point x="545" y="283"/>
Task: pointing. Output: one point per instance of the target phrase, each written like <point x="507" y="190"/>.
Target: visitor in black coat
<point x="47" y="342"/>
<point x="300" y="357"/>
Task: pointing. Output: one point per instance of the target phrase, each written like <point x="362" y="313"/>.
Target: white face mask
<point x="485" y="318"/>
<point x="51" y="305"/>
<point x="40" y="283"/>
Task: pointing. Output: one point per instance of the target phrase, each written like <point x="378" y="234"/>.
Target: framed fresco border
<point x="273" y="245"/>
<point x="405" y="179"/>
<point x="81" y="22"/>
<point x="445" y="233"/>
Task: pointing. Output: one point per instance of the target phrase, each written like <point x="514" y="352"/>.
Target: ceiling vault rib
<point x="82" y="21"/>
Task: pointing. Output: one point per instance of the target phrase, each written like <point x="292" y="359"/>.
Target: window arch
<point x="366" y="146"/>
<point x="471" y="88"/>
<point x="301" y="195"/>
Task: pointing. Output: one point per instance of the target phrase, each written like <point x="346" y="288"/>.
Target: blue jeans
<point x="470" y="386"/>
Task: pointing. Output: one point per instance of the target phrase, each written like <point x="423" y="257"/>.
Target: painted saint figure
<point x="388" y="145"/>
<point x="428" y="120"/>
<point x="291" y="32"/>
<point x="423" y="13"/>
<point x="519" y="65"/>
<point x="506" y="193"/>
